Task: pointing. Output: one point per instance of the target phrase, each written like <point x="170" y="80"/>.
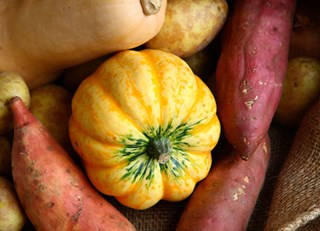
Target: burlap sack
<point x="296" y="199"/>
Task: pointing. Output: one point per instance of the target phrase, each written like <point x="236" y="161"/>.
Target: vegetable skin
<point x="226" y="198"/>
<point x="54" y="192"/>
<point x="251" y="69"/>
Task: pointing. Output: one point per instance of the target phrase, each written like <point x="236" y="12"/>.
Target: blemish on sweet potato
<point x="74" y="183"/>
<point x="75" y="217"/>
<point x="245" y="157"/>
<point x="239" y="193"/>
<point x="246" y="87"/>
<point x="50" y="148"/>
<point x="112" y="217"/>
<point x="23" y="153"/>
<point x="265" y="148"/>
<point x="21" y="127"/>
<point x="50" y="204"/>
<point x="250" y="103"/>
<point x="262" y="83"/>
<point x="254" y="50"/>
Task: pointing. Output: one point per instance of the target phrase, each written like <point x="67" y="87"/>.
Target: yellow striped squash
<point x="144" y="125"/>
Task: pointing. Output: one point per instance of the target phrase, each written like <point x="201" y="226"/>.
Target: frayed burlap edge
<point x="302" y="219"/>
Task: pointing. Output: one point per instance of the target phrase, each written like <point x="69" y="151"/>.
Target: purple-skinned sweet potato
<point x="251" y="69"/>
<point x="226" y="198"/>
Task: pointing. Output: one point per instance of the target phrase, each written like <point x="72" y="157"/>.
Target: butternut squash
<point x="39" y="39"/>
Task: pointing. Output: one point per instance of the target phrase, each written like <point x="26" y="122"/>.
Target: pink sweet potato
<point x="251" y="69"/>
<point x="226" y="198"/>
<point x="53" y="190"/>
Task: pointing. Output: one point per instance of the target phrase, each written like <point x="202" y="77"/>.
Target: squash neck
<point x="159" y="149"/>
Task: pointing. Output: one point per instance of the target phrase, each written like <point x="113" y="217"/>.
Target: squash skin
<point x="119" y="108"/>
<point x="41" y="38"/>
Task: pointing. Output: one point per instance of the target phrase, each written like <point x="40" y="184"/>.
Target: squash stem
<point x="160" y="149"/>
<point x="150" y="6"/>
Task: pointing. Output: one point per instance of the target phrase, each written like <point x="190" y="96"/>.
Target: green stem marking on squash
<point x="161" y="149"/>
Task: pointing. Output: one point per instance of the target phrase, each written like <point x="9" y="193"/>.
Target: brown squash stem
<point x="150" y="6"/>
<point x="160" y="149"/>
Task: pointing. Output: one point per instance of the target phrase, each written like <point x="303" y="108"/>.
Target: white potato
<point x="12" y="215"/>
<point x="189" y="26"/>
<point x="11" y="84"/>
<point x="301" y="89"/>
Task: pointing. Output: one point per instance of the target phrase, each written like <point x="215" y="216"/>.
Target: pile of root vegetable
<point x="160" y="115"/>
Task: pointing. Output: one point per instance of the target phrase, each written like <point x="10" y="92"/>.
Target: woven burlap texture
<point x="296" y="199"/>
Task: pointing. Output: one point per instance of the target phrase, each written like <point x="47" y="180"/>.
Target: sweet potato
<point x="226" y="198"/>
<point x="251" y="69"/>
<point x="54" y="192"/>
